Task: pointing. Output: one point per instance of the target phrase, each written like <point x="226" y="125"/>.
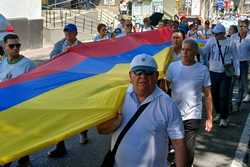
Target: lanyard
<point x="220" y="52"/>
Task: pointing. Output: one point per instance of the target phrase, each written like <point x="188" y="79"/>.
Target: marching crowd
<point x="149" y="119"/>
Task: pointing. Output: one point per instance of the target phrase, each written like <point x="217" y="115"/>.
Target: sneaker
<point x="223" y="123"/>
<point x="24" y="162"/>
<point x="83" y="139"/>
<point x="217" y="118"/>
<point x="246" y="99"/>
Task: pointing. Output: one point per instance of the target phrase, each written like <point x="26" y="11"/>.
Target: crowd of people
<point x="173" y="109"/>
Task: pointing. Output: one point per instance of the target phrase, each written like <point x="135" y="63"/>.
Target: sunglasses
<point x="145" y="72"/>
<point x="17" y="45"/>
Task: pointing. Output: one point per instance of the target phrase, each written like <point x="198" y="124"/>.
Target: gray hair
<point x="192" y="43"/>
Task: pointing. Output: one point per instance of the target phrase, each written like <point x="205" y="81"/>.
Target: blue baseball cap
<point x="70" y="28"/>
<point x="219" y="28"/>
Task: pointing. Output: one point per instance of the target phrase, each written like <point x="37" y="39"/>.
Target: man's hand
<point x="208" y="104"/>
<point x="110" y="125"/>
<point x="209" y="125"/>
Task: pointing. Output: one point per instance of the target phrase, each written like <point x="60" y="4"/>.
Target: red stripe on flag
<point x="61" y="63"/>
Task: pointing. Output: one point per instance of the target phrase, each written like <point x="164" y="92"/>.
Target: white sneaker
<point x="246" y="99"/>
<point x="217" y="118"/>
<point x="223" y="123"/>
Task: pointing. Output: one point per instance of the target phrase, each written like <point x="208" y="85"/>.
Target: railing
<point x="73" y="4"/>
<point x="55" y="17"/>
<point x="85" y="23"/>
<point x="107" y="18"/>
<point x="58" y="18"/>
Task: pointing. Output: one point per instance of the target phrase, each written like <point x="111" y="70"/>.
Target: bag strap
<point x="127" y="127"/>
<point x="220" y="52"/>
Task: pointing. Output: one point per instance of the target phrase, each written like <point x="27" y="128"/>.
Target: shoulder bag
<point x="229" y="68"/>
<point x="109" y="158"/>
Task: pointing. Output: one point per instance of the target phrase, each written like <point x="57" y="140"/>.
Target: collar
<point x="67" y="43"/>
<point x="15" y="60"/>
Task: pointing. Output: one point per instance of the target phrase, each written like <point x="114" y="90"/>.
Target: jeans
<point x="220" y="89"/>
<point x="243" y="82"/>
<point x="191" y="128"/>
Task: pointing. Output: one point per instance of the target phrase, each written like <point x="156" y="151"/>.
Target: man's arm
<point x="209" y="109"/>
<point x="180" y="152"/>
<point x="56" y="50"/>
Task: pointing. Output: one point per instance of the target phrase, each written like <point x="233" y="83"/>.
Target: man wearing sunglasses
<point x="146" y="142"/>
<point x="12" y="66"/>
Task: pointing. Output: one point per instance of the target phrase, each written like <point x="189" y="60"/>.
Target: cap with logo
<point x="143" y="62"/>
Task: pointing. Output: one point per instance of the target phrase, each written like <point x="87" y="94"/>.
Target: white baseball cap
<point x="242" y="18"/>
<point x="219" y="28"/>
<point x="143" y="62"/>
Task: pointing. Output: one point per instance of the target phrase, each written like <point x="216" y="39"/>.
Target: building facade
<point x="25" y="16"/>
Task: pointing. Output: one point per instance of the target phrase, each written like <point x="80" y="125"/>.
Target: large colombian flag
<point x="78" y="90"/>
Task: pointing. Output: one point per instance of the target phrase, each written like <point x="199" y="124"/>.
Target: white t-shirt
<point x="187" y="83"/>
<point x="242" y="45"/>
<point x="211" y="52"/>
<point x="9" y="71"/>
<point x="146" y="142"/>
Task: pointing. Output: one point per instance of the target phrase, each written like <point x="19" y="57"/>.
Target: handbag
<point x="228" y="68"/>
<point x="109" y="158"/>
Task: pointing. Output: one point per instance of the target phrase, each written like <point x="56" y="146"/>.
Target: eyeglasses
<point x="17" y="45"/>
<point x="145" y="72"/>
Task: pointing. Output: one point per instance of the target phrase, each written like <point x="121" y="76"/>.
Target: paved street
<point x="216" y="149"/>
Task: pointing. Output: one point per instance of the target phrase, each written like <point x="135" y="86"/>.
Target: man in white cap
<point x="146" y="142"/>
<point x="220" y="54"/>
<point x="242" y="42"/>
